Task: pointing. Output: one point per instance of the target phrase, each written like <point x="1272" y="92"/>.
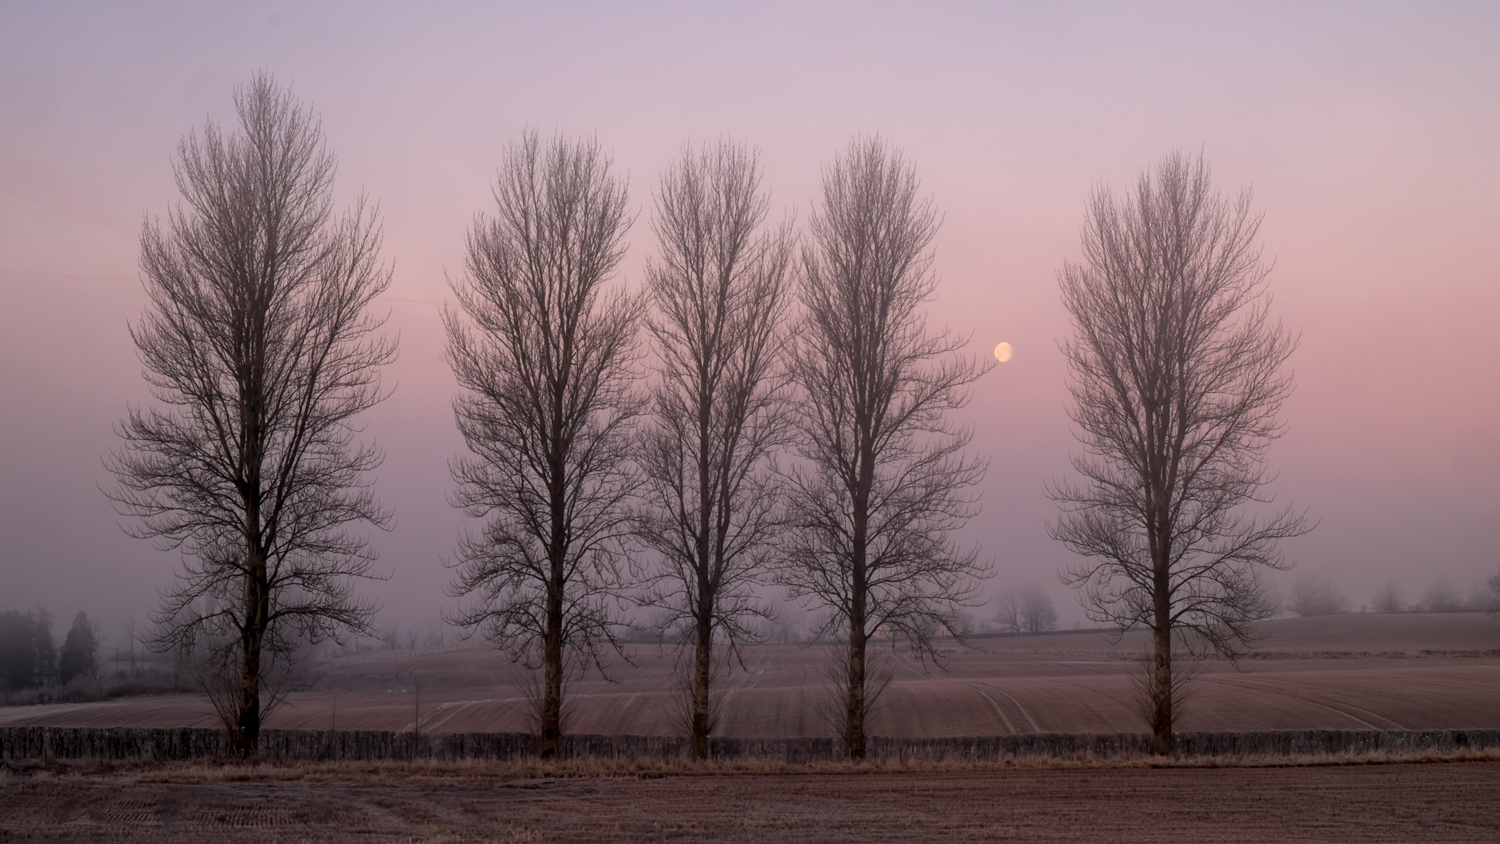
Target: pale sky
<point x="1370" y="134"/>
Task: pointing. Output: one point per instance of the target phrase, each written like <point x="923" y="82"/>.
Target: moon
<point x="1002" y="352"/>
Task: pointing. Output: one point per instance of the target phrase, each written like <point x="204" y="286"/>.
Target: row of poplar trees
<point x="768" y="408"/>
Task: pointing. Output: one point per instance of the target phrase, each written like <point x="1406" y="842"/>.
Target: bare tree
<point x="1440" y="596"/>
<point x="885" y="480"/>
<point x="1494" y="602"/>
<point x="1177" y="383"/>
<point x="1311" y="597"/>
<point x="1038" y="615"/>
<point x="1008" y="611"/>
<point x="1388" y="599"/>
<point x="784" y="631"/>
<point x="390" y="636"/>
<point x="545" y="359"/>
<point x="720" y="293"/>
<point x="79" y="656"/>
<point x="259" y="346"/>
<point x="1273" y="599"/>
<point x="1025" y="610"/>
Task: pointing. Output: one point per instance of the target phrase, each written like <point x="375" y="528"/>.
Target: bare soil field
<point x="1440" y="802"/>
<point x="1405" y="671"/>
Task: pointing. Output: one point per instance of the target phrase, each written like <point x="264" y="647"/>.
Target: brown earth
<point x="1453" y="802"/>
<point x="1405" y="671"/>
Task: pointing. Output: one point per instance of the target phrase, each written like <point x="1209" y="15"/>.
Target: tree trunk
<point x="552" y="645"/>
<point x="244" y="739"/>
<point x="552" y="639"/>
<point x="702" y="675"/>
<point x="1161" y="671"/>
<point x="854" y="732"/>
<point x="703" y="655"/>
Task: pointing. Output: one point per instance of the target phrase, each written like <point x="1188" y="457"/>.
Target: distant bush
<point x="1388" y="599"/>
<point x="90" y="689"/>
<point x="1442" y="597"/>
<point x="1312" y="597"/>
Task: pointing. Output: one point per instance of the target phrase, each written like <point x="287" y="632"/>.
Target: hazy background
<point x="1369" y="132"/>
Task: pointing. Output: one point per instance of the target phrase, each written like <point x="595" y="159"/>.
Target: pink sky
<point x="1370" y="133"/>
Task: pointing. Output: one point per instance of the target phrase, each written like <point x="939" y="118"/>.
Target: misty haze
<point x="1025" y="405"/>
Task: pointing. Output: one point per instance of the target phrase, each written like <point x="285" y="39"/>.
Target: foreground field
<point x="1455" y="801"/>
<point x="1339" y="672"/>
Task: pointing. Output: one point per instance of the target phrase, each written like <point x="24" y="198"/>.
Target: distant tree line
<point x="30" y="658"/>
<point x="1024" y="610"/>
<point x="1439" y="596"/>
<point x="1311" y="596"/>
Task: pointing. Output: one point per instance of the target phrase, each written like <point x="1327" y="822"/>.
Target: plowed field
<point x="1339" y="672"/>
<point x="1448" y="802"/>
